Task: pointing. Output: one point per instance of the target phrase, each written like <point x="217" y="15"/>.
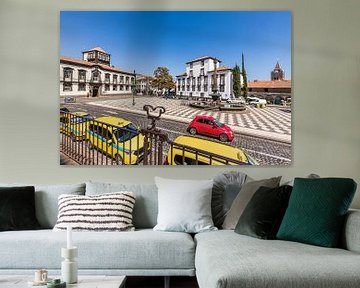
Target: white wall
<point x="326" y="89"/>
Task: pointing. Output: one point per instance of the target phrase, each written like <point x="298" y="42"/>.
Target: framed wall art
<point x="175" y="87"/>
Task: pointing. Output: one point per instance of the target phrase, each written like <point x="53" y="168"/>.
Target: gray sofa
<point x="218" y="259"/>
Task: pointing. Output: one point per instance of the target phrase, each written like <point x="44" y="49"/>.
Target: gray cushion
<point x="46" y="200"/>
<point x="144" y="249"/>
<point x="184" y="205"/>
<point x="243" y="198"/>
<point x="146" y="204"/>
<point x="247" y="262"/>
<point x="225" y="189"/>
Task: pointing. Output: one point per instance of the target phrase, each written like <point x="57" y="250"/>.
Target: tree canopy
<point x="162" y="79"/>
<point x="245" y="85"/>
<point x="236" y="81"/>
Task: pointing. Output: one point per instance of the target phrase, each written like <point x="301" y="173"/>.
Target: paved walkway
<point x="271" y="122"/>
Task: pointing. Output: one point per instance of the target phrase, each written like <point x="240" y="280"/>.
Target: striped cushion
<point x="105" y="212"/>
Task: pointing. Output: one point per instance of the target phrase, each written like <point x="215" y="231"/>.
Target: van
<point x="118" y="138"/>
<point x="190" y="150"/>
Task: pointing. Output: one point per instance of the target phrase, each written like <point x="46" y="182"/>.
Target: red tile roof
<point x="270" y="84"/>
<point x="221" y="68"/>
<point x="70" y="60"/>
<point x="182" y="75"/>
<point x="203" y="58"/>
<point x="97" y="49"/>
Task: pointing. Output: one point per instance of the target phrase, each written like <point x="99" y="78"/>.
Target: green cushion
<point x="316" y="211"/>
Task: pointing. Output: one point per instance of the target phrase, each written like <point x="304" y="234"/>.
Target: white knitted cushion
<point x="105" y="212"/>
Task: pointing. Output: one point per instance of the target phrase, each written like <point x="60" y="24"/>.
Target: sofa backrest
<point x="146" y="203"/>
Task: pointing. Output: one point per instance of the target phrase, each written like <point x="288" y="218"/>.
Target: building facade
<point x="198" y="79"/>
<point x="143" y="84"/>
<point x="275" y="90"/>
<point x="93" y="75"/>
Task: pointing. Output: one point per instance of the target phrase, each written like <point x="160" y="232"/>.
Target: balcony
<point x="67" y="79"/>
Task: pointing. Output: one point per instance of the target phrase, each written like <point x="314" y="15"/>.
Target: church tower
<point x="278" y="73"/>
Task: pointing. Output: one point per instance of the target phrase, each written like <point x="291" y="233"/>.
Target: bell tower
<point x="278" y="73"/>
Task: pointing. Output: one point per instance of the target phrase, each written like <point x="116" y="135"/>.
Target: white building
<point x="93" y="75"/>
<point x="143" y="84"/>
<point x="198" y="80"/>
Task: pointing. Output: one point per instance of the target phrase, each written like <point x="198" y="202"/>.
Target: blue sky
<point x="143" y="41"/>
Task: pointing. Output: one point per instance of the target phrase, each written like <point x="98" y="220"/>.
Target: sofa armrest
<point x="351" y="234"/>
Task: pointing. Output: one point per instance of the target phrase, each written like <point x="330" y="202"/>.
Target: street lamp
<point x="134" y="88"/>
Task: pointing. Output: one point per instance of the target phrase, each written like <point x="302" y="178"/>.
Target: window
<point x="107" y="87"/>
<point x="121" y="87"/>
<point x="82" y="76"/>
<point x="222" y="83"/>
<point x="202" y="62"/>
<point x="95" y="76"/>
<point x="127" y="80"/>
<point x="114" y="87"/>
<point x="191" y="65"/>
<point x="202" y="73"/>
<point x="121" y="79"/>
<point x="81" y="87"/>
<point x="115" y="79"/>
<point x="67" y="87"/>
<point x="68" y="74"/>
<point x="107" y="78"/>
<point x="191" y="73"/>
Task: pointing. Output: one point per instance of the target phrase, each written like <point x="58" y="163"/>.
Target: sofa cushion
<point x="225" y="259"/>
<point x="226" y="187"/>
<point x="243" y="198"/>
<point x="105" y="212"/>
<point x="17" y="208"/>
<point x="46" y="200"/>
<point x="317" y="210"/>
<point x="263" y="215"/>
<point x="146" y="205"/>
<point x="142" y="249"/>
<point x="184" y="205"/>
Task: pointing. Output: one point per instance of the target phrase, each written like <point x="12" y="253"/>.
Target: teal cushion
<point x="316" y="211"/>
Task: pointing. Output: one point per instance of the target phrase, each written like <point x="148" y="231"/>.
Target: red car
<point x="209" y="126"/>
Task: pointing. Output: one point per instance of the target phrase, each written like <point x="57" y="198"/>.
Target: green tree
<point x="236" y="81"/>
<point x="245" y="82"/>
<point x="162" y="79"/>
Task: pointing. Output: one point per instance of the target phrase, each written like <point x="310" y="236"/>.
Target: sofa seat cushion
<point x="225" y="259"/>
<point x="142" y="249"/>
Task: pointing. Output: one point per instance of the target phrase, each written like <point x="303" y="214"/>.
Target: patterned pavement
<point x="270" y="122"/>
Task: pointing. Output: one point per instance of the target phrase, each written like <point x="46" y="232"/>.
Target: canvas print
<point x="175" y="88"/>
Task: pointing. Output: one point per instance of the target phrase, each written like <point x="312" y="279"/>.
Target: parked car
<point x="256" y="102"/>
<point x="74" y="124"/>
<point x="239" y="100"/>
<point x="116" y="137"/>
<point x="209" y="126"/>
<point x="190" y="150"/>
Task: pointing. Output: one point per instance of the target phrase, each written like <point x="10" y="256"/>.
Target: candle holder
<point x="69" y="271"/>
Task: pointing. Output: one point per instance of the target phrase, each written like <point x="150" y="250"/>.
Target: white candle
<point x="69" y="239"/>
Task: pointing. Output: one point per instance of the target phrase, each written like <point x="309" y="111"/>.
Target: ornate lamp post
<point x="134" y="88"/>
<point x="215" y="95"/>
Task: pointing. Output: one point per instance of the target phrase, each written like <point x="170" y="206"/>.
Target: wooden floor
<point x="158" y="282"/>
